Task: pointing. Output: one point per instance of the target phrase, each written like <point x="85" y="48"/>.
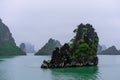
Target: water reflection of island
<point x="82" y="73"/>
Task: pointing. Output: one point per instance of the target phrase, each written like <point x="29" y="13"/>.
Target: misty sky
<point x="36" y="21"/>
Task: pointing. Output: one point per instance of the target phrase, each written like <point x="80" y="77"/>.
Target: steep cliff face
<point x="48" y="48"/>
<point x="7" y="43"/>
<point x="5" y="34"/>
<point x="82" y="50"/>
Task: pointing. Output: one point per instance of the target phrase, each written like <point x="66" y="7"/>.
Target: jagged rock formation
<point x="110" y="51"/>
<point x="23" y="47"/>
<point x="82" y="50"/>
<point x="7" y="43"/>
<point x="27" y="47"/>
<point x="48" y="48"/>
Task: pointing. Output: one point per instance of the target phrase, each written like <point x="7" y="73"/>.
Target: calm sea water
<point x="28" y="68"/>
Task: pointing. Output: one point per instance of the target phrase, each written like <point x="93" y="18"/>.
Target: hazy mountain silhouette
<point x="110" y="51"/>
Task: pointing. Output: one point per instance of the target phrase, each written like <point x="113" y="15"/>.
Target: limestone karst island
<point x="80" y="51"/>
<point x="7" y="43"/>
<point x="48" y="48"/>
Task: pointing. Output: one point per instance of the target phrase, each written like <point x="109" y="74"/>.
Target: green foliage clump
<point x="81" y="51"/>
<point x="84" y="45"/>
<point x="84" y="29"/>
<point x="96" y="40"/>
<point x="82" y="40"/>
<point x="72" y="40"/>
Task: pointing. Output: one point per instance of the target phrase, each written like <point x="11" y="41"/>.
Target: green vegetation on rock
<point x="9" y="49"/>
<point x="84" y="47"/>
<point x="81" y="51"/>
<point x="7" y="43"/>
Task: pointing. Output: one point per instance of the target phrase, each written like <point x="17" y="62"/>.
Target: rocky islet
<point x="81" y="51"/>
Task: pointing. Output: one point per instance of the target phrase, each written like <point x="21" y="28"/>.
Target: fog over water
<point x="36" y="21"/>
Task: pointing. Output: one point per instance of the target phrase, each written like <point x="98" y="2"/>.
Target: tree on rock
<point x="84" y="44"/>
<point x="81" y="51"/>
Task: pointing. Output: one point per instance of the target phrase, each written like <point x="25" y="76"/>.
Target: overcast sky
<point x="36" y="21"/>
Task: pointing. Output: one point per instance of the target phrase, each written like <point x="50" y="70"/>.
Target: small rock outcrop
<point x="81" y="51"/>
<point x="110" y="51"/>
<point x="23" y="47"/>
<point x="48" y="48"/>
<point x="7" y="44"/>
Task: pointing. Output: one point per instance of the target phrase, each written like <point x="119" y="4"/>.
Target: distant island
<point x="101" y="48"/>
<point x="80" y="51"/>
<point x="110" y="51"/>
<point x="27" y="47"/>
<point x="7" y="44"/>
<point x="49" y="47"/>
<point x="23" y="47"/>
